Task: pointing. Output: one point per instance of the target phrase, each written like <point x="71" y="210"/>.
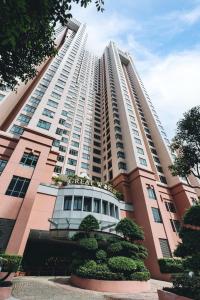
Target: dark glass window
<point x="175" y="225"/>
<point x="67" y="202"/>
<point x="156" y="215"/>
<point x="97" y="205"/>
<point x="29" y="159"/>
<point x="77" y="203"/>
<point x="3" y="163"/>
<point x="96" y="169"/>
<point x="87" y="204"/>
<point x="112" y="211"/>
<point x="170" y="207"/>
<point x="18" y="186"/>
<point x="122" y="166"/>
<point x="163" y="179"/>
<point x="43" y="124"/>
<point x="151" y="192"/>
<point x="105" y="207"/>
<point x="96" y="160"/>
<point x="164" y="245"/>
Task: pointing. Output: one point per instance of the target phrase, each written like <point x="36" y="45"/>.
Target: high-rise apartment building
<point x="87" y="116"/>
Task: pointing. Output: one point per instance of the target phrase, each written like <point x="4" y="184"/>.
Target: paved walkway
<point x="50" y="288"/>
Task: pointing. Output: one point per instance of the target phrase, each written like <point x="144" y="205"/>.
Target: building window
<point x="156" y="215"/>
<point x="85" y="166"/>
<point x="87" y="204"/>
<point x="3" y="163"/>
<point x="30" y="109"/>
<point x="18" y="187"/>
<point x="143" y="161"/>
<point x="112" y="211"/>
<point x="122" y="166"/>
<point x="175" y="225"/>
<point x="151" y="192"/>
<point x="96" y="151"/>
<point x="60" y="158"/>
<point x="163" y="179"/>
<point x="16" y="130"/>
<point x="120" y="154"/>
<point x="104" y="207"/>
<point x="73" y="152"/>
<point x="85" y="156"/>
<point x="96" y="169"/>
<point x="140" y="150"/>
<point x="72" y="162"/>
<point x="159" y="169"/>
<point x="170" y="207"/>
<point x="77" y="203"/>
<point x="119" y="145"/>
<point x="74" y="144"/>
<point x="69" y="172"/>
<point x="43" y="124"/>
<point x="29" y="159"/>
<point x="57" y="169"/>
<point x="62" y="148"/>
<point x="67" y="202"/>
<point x="138" y="141"/>
<point x="96" y="160"/>
<point x="48" y="113"/>
<point x="24" y="119"/>
<point x="97" y="205"/>
<point x="52" y="103"/>
<point x="164" y="245"/>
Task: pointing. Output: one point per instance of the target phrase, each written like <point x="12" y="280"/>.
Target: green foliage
<point x="187" y="144"/>
<point x="89" y="224"/>
<point x="122" y="264"/>
<point x="187" y="281"/>
<point x="140" y="276"/>
<point x="170" y="265"/>
<point x="101" y="256"/>
<point x="11" y="263"/>
<point x="27" y="30"/>
<point x="89" y="244"/>
<point x="192" y="215"/>
<point x="130" y="230"/>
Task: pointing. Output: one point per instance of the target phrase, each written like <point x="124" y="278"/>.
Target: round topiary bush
<point x="89" y="223"/>
<point x="122" y="264"/>
<point x="101" y="255"/>
<point x="89" y="244"/>
<point x="115" y="248"/>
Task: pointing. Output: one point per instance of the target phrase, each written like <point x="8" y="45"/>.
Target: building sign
<point x="67" y="180"/>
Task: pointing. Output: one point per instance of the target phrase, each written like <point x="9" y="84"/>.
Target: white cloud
<point x="173" y="85"/>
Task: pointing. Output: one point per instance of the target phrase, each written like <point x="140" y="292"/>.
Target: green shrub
<point x="130" y="230"/>
<point x="101" y="255"/>
<point x="192" y="263"/>
<point x="89" y="223"/>
<point x="122" y="264"/>
<point x="11" y="263"/>
<point x="140" y="276"/>
<point x="140" y="266"/>
<point x="115" y="248"/>
<point x="89" y="244"/>
<point x="192" y="216"/>
<point x="170" y="265"/>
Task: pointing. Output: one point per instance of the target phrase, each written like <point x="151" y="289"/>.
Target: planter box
<point x="110" y="286"/>
<point x="5" y="292"/>
<point x="165" y="295"/>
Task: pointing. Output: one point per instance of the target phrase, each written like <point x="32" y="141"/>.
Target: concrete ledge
<point x="165" y="295"/>
<point x="110" y="286"/>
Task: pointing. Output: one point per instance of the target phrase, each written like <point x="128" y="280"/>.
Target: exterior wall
<point x="134" y="187"/>
<point x="20" y="209"/>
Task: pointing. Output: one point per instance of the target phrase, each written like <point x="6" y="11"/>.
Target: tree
<point x="27" y="29"/>
<point x="89" y="224"/>
<point x="130" y="230"/>
<point x="187" y="144"/>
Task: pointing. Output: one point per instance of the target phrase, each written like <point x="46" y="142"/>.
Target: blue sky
<point x="163" y="37"/>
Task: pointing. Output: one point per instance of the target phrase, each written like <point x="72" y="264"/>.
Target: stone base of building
<point x="165" y="295"/>
<point x="110" y="286"/>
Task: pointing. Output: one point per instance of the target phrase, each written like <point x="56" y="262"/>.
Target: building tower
<point x="87" y="116"/>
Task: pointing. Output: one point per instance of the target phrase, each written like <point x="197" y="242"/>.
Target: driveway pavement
<point x="51" y="288"/>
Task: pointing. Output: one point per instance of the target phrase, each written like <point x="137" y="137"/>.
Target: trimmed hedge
<point x="122" y="264"/>
<point x="11" y="263"/>
<point x="170" y="265"/>
<point x="101" y="255"/>
<point x="89" y="244"/>
<point x="140" y="276"/>
<point x="192" y="215"/>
